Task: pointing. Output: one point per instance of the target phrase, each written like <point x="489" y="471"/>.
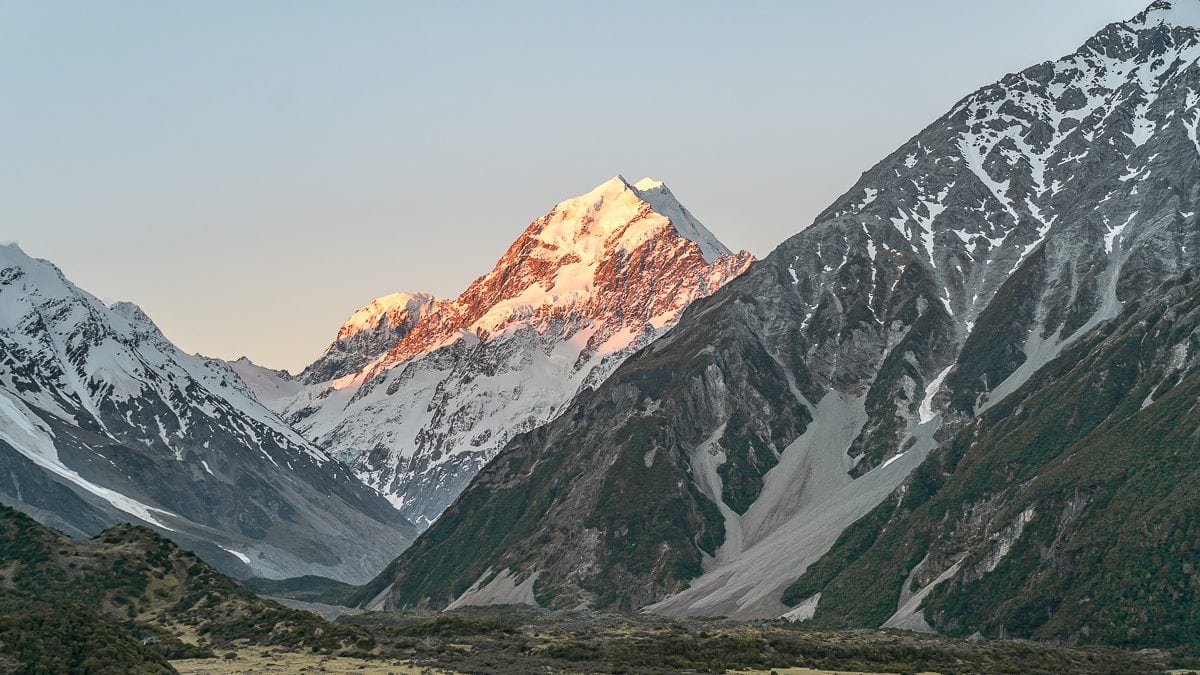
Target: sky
<point x="250" y="173"/>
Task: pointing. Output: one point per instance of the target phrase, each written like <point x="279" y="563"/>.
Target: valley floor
<point x="500" y="640"/>
<point x="267" y="661"/>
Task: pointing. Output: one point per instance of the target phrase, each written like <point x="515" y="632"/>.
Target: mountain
<point x="271" y="387"/>
<point x="368" y="334"/>
<point x="717" y="465"/>
<point x="417" y="394"/>
<point x="103" y="420"/>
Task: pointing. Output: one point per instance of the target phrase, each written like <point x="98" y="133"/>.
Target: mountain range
<point x="416" y="394"/>
<point x="942" y="406"/>
<point x="269" y="475"/>
<point x="962" y="400"/>
<point x="103" y="421"/>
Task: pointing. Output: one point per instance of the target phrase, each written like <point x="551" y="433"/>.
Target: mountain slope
<point x="417" y="394"/>
<point x="103" y="420"/>
<point x="714" y="466"/>
<point x="1067" y="510"/>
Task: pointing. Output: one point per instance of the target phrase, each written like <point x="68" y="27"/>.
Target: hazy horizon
<point x="251" y="174"/>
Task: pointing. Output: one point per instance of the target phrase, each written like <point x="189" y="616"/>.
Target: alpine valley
<point x="958" y="412"/>
<point x="961" y="400"/>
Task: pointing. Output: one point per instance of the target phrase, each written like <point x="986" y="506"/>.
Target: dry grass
<point x="266" y="660"/>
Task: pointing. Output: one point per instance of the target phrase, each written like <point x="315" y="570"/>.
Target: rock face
<point x="103" y="420"/>
<point x="720" y="462"/>
<point x="417" y="394"/>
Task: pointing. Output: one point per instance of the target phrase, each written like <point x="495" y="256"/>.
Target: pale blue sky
<point x="251" y="172"/>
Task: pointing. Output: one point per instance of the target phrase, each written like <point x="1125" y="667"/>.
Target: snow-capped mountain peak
<point x="139" y="322"/>
<point x="272" y="388"/>
<point x="115" y="354"/>
<point x="387" y="311"/>
<point x="584" y="225"/>
<point x="1003" y="236"/>
<point x="584" y="286"/>
<point x="662" y="200"/>
<point x="368" y="334"/>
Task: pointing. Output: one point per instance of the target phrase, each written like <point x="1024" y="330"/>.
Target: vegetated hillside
<point x="70" y="605"/>
<point x="1071" y="510"/>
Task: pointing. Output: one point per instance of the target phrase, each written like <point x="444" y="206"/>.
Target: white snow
<point x="115" y="354"/>
<point x="925" y="411"/>
<point x="237" y="554"/>
<point x="973" y="154"/>
<point x="870" y="195"/>
<point x="385" y="310"/>
<point x="891" y="459"/>
<point x="660" y="198"/>
<point x="1193" y="129"/>
<point x="1115" y="232"/>
<point x="900" y="222"/>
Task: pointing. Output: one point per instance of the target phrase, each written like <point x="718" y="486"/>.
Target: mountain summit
<point x="417" y="393"/>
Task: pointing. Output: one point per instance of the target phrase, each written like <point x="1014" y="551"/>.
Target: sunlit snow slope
<point x="417" y="394"/>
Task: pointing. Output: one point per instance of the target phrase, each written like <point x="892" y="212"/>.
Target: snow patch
<point x="237" y="554"/>
<point x="1115" y="232"/>
<point x="925" y="411"/>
